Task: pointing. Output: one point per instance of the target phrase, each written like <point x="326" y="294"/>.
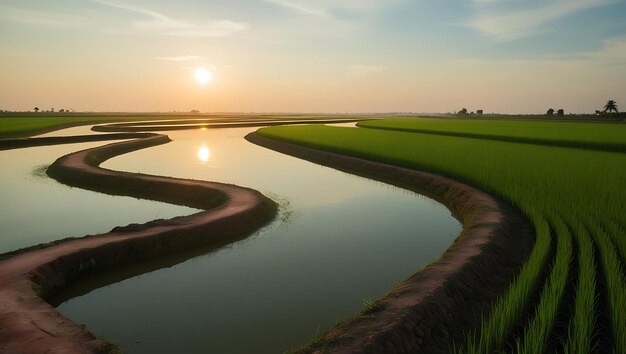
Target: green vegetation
<point x="370" y="307"/>
<point x="568" y="299"/>
<point x="574" y="134"/>
<point x="20" y="126"/>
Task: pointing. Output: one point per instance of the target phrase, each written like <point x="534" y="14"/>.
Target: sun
<point x="202" y="76"/>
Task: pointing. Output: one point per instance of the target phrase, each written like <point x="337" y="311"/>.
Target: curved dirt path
<point x="30" y="325"/>
<point x="440" y="303"/>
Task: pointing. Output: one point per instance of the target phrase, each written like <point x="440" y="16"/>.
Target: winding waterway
<point x="338" y="240"/>
<point x="37" y="209"/>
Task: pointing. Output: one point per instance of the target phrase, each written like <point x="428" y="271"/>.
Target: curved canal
<point x="338" y="240"/>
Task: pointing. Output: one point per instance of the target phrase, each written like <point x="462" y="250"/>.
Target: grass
<point x="575" y="197"/>
<point x="510" y="307"/>
<point x="573" y="134"/>
<point x="370" y="307"/>
<point x="537" y="335"/>
<point x="23" y="126"/>
<point x="581" y="330"/>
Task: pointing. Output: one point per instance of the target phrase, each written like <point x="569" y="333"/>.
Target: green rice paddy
<point x="574" y="134"/>
<point x="568" y="178"/>
<point x="18" y="126"/>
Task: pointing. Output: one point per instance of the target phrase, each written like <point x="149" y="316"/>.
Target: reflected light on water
<point x="204" y="154"/>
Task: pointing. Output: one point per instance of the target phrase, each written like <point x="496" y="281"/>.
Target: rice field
<point x="568" y="178"/>
<point x="574" y="134"/>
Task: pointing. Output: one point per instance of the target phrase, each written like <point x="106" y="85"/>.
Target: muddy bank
<point x="28" y="324"/>
<point x="8" y="144"/>
<point x="439" y="303"/>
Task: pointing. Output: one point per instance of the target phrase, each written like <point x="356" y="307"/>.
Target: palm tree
<point x="611" y="106"/>
<point x="36" y="109"/>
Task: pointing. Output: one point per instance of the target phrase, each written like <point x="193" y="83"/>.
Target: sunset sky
<point x="513" y="56"/>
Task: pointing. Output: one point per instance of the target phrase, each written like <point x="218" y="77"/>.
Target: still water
<point x="36" y="209"/>
<point x="339" y="239"/>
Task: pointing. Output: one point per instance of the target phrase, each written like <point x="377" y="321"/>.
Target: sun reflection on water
<point x="204" y="153"/>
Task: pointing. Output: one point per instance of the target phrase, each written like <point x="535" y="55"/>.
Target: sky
<point x="362" y="56"/>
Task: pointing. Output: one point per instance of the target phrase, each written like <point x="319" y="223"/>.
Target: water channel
<point x="338" y="240"/>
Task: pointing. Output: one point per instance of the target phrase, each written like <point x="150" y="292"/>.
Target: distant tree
<point x="550" y="112"/>
<point x="51" y="109"/>
<point x="611" y="106"/>
<point x="195" y="111"/>
<point x="61" y="110"/>
<point x="560" y="112"/>
<point x="462" y="112"/>
<point x="479" y="112"/>
<point x="36" y="109"/>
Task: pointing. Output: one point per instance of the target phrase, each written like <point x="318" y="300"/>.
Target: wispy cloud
<point x="506" y="23"/>
<point x="39" y="18"/>
<point x="327" y="8"/>
<point x="158" y="23"/>
<point x="611" y="53"/>
<point x="182" y="58"/>
<point x="360" y="69"/>
<point x="299" y="7"/>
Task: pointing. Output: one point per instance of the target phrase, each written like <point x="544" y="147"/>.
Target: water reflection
<point x="204" y="153"/>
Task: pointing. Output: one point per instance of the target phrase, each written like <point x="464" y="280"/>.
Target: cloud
<point x="299" y="7"/>
<point x="504" y="23"/>
<point x="327" y="8"/>
<point x="182" y="58"/>
<point x="158" y="23"/>
<point x="360" y="69"/>
<point x="611" y="53"/>
<point x="39" y="18"/>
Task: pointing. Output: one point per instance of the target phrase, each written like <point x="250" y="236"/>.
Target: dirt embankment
<point x="28" y="324"/>
<point x="7" y="144"/>
<point x="440" y="303"/>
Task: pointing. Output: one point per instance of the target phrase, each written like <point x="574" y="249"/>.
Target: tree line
<point x="609" y="107"/>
